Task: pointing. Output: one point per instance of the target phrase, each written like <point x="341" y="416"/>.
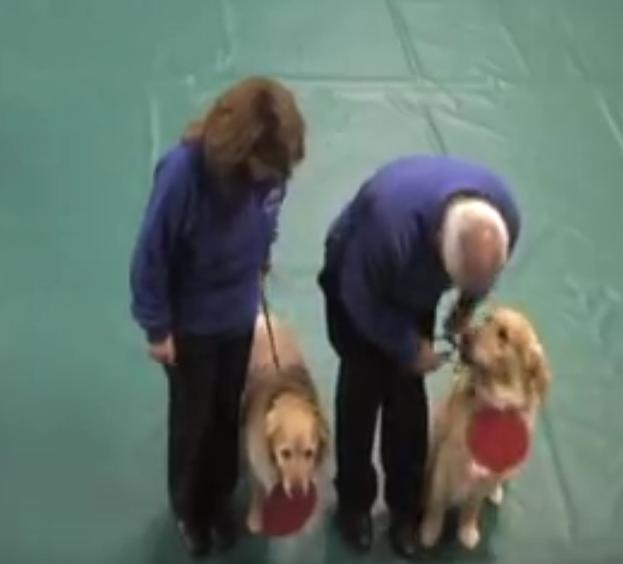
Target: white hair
<point x="459" y="217"/>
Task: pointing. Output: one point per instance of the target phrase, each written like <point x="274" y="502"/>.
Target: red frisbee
<point x="283" y="515"/>
<point x="498" y="439"/>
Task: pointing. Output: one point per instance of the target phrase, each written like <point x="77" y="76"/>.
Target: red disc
<point x="498" y="439"/>
<point x="285" y="515"/>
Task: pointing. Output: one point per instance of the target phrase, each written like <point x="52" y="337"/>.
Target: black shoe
<point x="225" y="528"/>
<point x="403" y="537"/>
<point x="356" y="529"/>
<point x="198" y="545"/>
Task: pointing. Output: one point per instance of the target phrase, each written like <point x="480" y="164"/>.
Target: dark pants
<point x="205" y="388"/>
<point x="370" y="382"/>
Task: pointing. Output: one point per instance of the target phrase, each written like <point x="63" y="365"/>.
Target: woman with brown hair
<point x="195" y="281"/>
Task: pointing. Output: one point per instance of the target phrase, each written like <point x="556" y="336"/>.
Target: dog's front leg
<point x="254" y="517"/>
<point x="435" y="510"/>
<point x="496" y="496"/>
<point x="432" y="525"/>
<point x="469" y="533"/>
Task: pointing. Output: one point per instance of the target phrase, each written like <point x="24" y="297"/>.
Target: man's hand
<point x="428" y="360"/>
<point x="456" y="322"/>
<point x="459" y="318"/>
<point x="164" y="351"/>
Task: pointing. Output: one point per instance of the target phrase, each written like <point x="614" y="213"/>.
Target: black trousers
<point x="205" y="389"/>
<point x="369" y="383"/>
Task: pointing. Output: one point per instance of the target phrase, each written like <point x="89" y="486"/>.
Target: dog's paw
<point x="496" y="497"/>
<point x="254" y="521"/>
<point x="469" y="535"/>
<point x="430" y="531"/>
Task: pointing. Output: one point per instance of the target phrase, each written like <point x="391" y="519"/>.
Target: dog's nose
<point x="301" y="484"/>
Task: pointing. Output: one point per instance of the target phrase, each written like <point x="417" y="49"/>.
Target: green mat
<point x="92" y="92"/>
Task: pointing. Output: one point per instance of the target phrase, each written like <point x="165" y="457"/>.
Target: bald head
<point x="474" y="244"/>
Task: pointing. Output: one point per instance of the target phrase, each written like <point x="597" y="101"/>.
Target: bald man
<point x="418" y="227"/>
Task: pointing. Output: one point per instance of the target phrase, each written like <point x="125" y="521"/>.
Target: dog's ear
<point x="538" y="369"/>
<point x="271" y="427"/>
<point x="323" y="437"/>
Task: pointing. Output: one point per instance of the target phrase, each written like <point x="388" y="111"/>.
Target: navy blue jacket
<point x="383" y="246"/>
<point x="196" y="266"/>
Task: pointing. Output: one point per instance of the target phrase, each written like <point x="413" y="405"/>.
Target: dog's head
<point x="297" y="437"/>
<point x="506" y="360"/>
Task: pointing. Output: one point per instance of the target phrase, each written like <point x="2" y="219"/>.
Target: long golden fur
<point x="253" y="133"/>
<point x="285" y="431"/>
<point x="504" y="366"/>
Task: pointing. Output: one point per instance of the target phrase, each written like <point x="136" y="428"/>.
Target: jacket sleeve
<point x="376" y="258"/>
<point x="151" y="262"/>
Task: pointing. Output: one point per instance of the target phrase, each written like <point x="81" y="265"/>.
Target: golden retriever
<point x="503" y="365"/>
<point x="286" y="433"/>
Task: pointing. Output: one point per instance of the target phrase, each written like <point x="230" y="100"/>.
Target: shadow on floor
<point x="318" y="545"/>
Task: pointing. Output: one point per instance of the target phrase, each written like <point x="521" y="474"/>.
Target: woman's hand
<point x="163" y="351"/>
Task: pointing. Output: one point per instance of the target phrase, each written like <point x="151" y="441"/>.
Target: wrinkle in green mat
<point x="90" y="95"/>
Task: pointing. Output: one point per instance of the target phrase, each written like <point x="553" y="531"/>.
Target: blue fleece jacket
<point x="196" y="266"/>
<point x="383" y="244"/>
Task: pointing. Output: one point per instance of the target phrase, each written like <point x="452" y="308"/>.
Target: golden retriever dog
<point x="503" y="365"/>
<point x="286" y="433"/>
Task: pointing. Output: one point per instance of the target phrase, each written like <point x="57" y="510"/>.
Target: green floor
<point x="92" y="92"/>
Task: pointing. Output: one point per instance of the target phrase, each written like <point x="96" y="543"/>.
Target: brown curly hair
<point x="254" y="132"/>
